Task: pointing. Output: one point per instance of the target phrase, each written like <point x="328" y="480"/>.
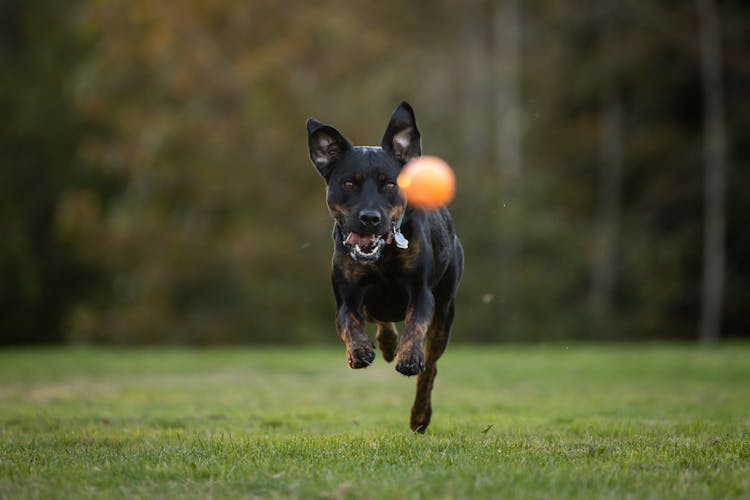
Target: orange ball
<point x="427" y="182"/>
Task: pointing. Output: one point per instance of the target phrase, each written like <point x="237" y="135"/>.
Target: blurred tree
<point x="734" y="15"/>
<point x="41" y="272"/>
<point x="609" y="184"/>
<point x="508" y="143"/>
<point x="155" y="185"/>
<point x="715" y="172"/>
<point x="222" y="232"/>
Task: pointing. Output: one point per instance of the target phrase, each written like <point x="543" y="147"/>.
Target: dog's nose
<point x="370" y="218"/>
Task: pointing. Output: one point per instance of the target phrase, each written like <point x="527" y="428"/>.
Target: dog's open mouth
<point x="364" y="247"/>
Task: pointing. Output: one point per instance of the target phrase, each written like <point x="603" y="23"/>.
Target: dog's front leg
<point x="350" y="325"/>
<point x="410" y="352"/>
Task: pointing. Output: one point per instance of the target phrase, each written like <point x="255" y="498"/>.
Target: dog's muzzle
<point x="364" y="248"/>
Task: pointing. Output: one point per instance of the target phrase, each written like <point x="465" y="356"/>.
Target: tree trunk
<point x="607" y="217"/>
<point x="715" y="172"/>
<point x="474" y="81"/>
<point x="608" y="213"/>
<point x="507" y="140"/>
<point x="507" y="63"/>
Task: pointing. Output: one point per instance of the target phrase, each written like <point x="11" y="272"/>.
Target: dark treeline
<point x="155" y="185"/>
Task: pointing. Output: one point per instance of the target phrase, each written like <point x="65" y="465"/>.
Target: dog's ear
<point x="402" y="138"/>
<point x="326" y="146"/>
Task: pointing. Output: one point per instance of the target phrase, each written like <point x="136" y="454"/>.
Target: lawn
<point x="580" y="421"/>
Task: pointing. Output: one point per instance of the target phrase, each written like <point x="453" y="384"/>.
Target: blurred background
<point x="155" y="186"/>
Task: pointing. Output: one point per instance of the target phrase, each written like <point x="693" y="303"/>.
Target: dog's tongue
<point x="361" y="240"/>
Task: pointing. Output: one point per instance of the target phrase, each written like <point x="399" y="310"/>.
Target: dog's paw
<point x="360" y="357"/>
<point x="411" y="363"/>
<point x="420" y="419"/>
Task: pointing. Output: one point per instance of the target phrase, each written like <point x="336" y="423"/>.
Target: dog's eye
<point x="348" y="185"/>
<point x="389" y="186"/>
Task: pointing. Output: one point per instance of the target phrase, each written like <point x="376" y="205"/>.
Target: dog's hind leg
<point x="387" y="338"/>
<point x="437" y="340"/>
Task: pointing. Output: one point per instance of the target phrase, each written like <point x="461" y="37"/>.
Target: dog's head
<point x="362" y="193"/>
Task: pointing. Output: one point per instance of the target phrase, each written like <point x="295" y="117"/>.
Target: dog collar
<point x="398" y="237"/>
<point x="397" y="225"/>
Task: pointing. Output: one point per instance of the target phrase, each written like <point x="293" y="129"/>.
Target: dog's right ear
<point x="326" y="146"/>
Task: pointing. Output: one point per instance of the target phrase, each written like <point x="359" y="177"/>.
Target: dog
<point x="391" y="262"/>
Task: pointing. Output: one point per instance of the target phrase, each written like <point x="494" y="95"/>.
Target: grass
<point x="583" y="421"/>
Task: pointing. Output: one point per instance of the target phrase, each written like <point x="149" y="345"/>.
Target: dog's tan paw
<point x="411" y="363"/>
<point x="360" y="357"/>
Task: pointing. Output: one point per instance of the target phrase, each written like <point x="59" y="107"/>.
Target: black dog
<point x="390" y="262"/>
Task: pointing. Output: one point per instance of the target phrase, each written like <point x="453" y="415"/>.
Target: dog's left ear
<point x="402" y="138"/>
<point x="326" y="146"/>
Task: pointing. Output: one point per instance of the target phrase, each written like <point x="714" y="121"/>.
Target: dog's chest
<point x="386" y="301"/>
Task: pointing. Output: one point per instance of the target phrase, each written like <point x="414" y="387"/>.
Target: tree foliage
<point x="42" y="274"/>
<point x="156" y="187"/>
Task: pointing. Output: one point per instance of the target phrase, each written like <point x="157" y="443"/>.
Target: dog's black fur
<point x="375" y="280"/>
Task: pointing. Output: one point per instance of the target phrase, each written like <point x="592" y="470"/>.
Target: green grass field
<point x="520" y="421"/>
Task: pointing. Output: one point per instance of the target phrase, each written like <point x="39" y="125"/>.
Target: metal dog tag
<point x="400" y="239"/>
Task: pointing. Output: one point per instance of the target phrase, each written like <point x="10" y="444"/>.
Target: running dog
<point x="391" y="262"/>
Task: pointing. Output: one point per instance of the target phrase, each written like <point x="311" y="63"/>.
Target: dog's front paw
<point x="360" y="356"/>
<point x="411" y="363"/>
